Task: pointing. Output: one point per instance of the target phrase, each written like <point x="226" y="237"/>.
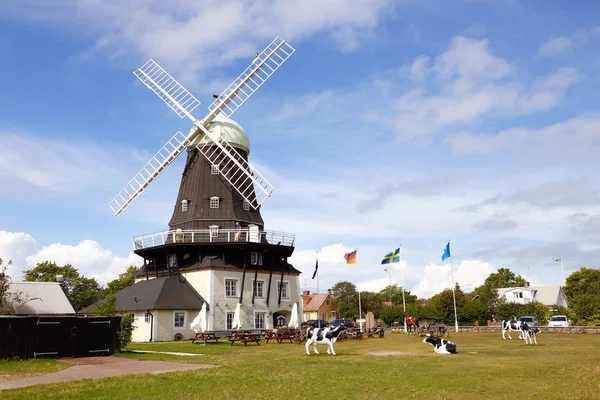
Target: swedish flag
<point x="392" y="257"/>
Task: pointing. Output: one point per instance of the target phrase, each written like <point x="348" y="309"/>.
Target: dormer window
<point x="184" y="205"/>
<point x="214" y="202"/>
<point x="246" y="205"/>
<point x="256" y="258"/>
<point x="214" y="169"/>
<point x="214" y="231"/>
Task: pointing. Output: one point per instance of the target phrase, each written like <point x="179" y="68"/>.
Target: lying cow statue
<point x="440" y="346"/>
<point x="326" y="336"/>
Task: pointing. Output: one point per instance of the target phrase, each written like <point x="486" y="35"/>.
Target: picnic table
<point x="204" y="336"/>
<point x="245" y="338"/>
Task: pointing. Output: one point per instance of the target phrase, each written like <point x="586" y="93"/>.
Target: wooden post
<point x="254" y="285"/>
<point x="243" y="277"/>
<point x="281" y="281"/>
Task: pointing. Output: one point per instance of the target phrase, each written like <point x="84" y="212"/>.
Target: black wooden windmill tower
<point x="216" y="223"/>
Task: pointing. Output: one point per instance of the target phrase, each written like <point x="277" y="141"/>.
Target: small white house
<point x="42" y="298"/>
<point x="548" y="295"/>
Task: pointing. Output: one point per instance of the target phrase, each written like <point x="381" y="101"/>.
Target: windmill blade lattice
<point x="239" y="173"/>
<point x="149" y="172"/>
<point x="253" y="77"/>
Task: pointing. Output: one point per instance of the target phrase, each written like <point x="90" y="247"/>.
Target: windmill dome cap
<point x="229" y="130"/>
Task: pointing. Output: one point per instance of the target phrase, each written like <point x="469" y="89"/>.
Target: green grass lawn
<point x="560" y="366"/>
<point x="17" y="369"/>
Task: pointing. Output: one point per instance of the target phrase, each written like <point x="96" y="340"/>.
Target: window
<point x="147" y="318"/>
<point x="214" y="202"/>
<point x="214" y="169"/>
<point x="132" y="316"/>
<point x="258" y="288"/>
<point x="328" y="302"/>
<point x="229" y="321"/>
<point x="184" y="205"/>
<point x="255" y="258"/>
<point x="324" y="316"/>
<point x="518" y="295"/>
<point x="246" y="205"/>
<point x="259" y="320"/>
<point x="214" y="231"/>
<point x="179" y="320"/>
<point x="333" y="315"/>
<point x="230" y="287"/>
<point x="284" y="289"/>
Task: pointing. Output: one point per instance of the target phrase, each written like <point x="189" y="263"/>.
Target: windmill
<point x="216" y="149"/>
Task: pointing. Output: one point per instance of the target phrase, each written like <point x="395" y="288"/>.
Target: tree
<point x="10" y="301"/>
<point x="488" y="292"/>
<point x="124" y="280"/>
<point x="444" y="303"/>
<point x="80" y="291"/>
<point x="108" y="307"/>
<point x="396" y="292"/>
<point x="371" y="301"/>
<point x="583" y="293"/>
<point x="346" y="298"/>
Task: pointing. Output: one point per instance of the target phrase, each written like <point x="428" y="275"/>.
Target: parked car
<point x="529" y="320"/>
<point x="321" y="323"/>
<point x="559" y="320"/>
<point x="346" y="322"/>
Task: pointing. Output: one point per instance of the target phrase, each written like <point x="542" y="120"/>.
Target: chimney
<point x="306" y="293"/>
<point x="328" y="291"/>
<point x="526" y="284"/>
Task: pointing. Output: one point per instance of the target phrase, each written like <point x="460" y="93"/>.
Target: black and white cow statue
<point x="525" y="331"/>
<point x="326" y="336"/>
<point x="440" y="346"/>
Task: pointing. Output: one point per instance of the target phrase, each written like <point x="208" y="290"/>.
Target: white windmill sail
<point x="242" y="176"/>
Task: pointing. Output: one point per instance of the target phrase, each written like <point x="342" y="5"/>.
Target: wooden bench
<point x="245" y="338"/>
<point x="204" y="336"/>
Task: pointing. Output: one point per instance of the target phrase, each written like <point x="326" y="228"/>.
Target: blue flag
<point x="392" y="257"/>
<point x="316" y="268"/>
<point x="446" y="252"/>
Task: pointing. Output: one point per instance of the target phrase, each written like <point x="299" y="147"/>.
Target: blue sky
<point x="395" y="122"/>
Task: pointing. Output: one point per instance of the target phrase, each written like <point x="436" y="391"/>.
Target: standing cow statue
<point x="326" y="336"/>
<point x="525" y="331"/>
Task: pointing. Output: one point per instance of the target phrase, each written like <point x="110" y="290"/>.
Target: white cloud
<point x="472" y="82"/>
<point x="468" y="274"/>
<point x="561" y="44"/>
<point x="189" y="36"/>
<point x="88" y="257"/>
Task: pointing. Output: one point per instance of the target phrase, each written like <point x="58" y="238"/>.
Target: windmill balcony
<point x="208" y="236"/>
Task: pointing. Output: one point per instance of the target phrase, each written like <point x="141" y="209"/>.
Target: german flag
<point x="350" y="257"/>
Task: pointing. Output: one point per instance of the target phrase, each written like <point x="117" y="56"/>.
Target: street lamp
<point x="561" y="268"/>
<point x="385" y="269"/>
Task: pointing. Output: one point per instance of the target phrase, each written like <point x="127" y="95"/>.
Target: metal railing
<point x="213" y="236"/>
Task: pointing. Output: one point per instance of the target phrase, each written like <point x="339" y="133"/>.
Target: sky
<point x="395" y="123"/>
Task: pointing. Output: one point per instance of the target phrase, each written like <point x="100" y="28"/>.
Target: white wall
<point x="141" y="331"/>
<point x="211" y="286"/>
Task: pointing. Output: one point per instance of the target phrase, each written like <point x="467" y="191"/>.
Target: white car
<point x="558" y="320"/>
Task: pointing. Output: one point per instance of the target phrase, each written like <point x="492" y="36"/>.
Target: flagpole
<point x="402" y="277"/>
<point x="319" y="306"/>
<point x="453" y="293"/>
<point x="359" y="305"/>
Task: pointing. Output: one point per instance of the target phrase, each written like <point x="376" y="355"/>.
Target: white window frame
<point x="286" y="292"/>
<point x="255" y="284"/>
<point x="215" y="169"/>
<point x="237" y="281"/>
<point x="264" y="319"/>
<point x="175" y="314"/>
<point x="147" y="318"/>
<point x="184" y="205"/>
<point x="214" y="202"/>
<point x="214" y="231"/>
<point x="256" y="258"/>
<point x="228" y="320"/>
<point x="246" y="205"/>
<point x="324" y="315"/>
<point x="333" y="315"/>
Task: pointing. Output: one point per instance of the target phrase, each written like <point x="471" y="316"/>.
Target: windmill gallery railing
<point x="213" y="236"/>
